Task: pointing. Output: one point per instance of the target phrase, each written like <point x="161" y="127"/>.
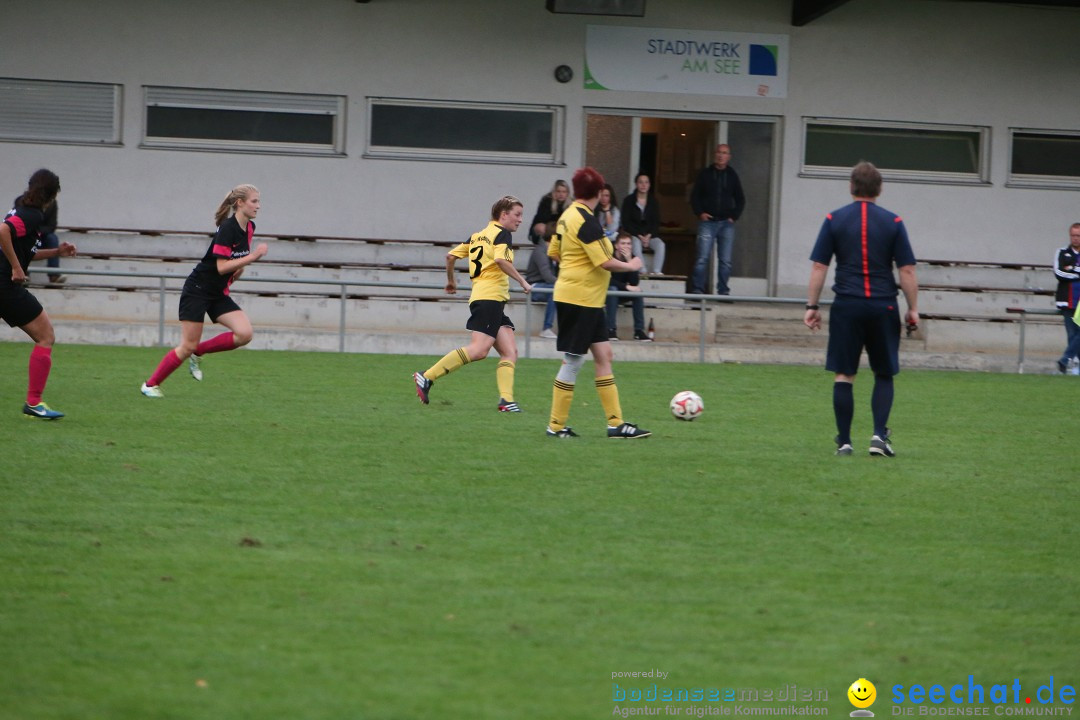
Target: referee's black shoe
<point x="880" y="446"/>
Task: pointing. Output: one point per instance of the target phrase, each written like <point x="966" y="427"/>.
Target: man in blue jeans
<point x="542" y="273"/>
<point x="718" y="201"/>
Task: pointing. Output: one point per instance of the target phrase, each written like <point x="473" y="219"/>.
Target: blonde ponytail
<point x="228" y="205"/>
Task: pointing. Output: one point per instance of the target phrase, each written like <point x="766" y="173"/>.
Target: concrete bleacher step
<point x="953" y="301"/>
<point x="987" y="275"/>
<point x="262" y="278"/>
<point x="950" y="335"/>
<point x="328" y="252"/>
<point x="966" y="303"/>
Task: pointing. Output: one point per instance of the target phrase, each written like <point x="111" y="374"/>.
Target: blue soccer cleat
<point x="42" y="411"/>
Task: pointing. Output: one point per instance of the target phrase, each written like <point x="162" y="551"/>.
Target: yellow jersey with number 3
<point x="489" y="282"/>
<point x="581" y="247"/>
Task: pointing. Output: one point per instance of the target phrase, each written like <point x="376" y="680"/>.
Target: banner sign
<point x="703" y="62"/>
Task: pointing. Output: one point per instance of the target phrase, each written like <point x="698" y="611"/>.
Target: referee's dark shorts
<point x="856" y="323"/>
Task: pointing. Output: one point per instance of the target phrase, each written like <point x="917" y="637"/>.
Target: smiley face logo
<point x="862" y="693"/>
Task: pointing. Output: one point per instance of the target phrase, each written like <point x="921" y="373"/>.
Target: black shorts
<point x="18" y="306"/>
<point x="857" y="323"/>
<point x="194" y="305"/>
<point x="579" y="327"/>
<point x="488" y="317"/>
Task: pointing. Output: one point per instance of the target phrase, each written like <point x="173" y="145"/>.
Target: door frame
<point x="721" y="120"/>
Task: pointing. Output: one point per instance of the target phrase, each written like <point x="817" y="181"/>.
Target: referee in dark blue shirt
<point x="867" y="241"/>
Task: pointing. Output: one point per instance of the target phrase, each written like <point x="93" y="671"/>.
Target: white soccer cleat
<point x="193" y="366"/>
<point x="151" y="391"/>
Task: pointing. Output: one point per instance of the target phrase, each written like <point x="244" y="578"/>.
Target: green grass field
<point x="297" y="537"/>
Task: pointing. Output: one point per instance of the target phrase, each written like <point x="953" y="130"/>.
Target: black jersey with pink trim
<point x="231" y="241"/>
<point x="23" y="223"/>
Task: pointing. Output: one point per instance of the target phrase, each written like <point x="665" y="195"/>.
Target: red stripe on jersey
<point x="223" y="251"/>
<point x="18" y="224"/>
<point x="251" y="231"/>
<point x="897" y="219"/>
<point x="865" y="255"/>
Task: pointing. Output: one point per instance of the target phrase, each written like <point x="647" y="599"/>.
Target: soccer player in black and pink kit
<point x="206" y="291"/>
<point x="20" y="243"/>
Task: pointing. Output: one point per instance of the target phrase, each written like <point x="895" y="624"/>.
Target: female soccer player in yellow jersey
<point x="586" y="260"/>
<point x="491" y="265"/>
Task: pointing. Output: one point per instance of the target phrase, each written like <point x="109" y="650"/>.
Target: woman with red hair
<point x="586" y="260"/>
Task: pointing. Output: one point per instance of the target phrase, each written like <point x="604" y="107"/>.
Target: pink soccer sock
<point x="40" y="364"/>
<point x="218" y="343"/>
<point x="170" y="362"/>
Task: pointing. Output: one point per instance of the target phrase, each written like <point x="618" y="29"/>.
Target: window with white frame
<point x="906" y="152"/>
<point x="244" y="121"/>
<point x="60" y="112"/>
<point x="464" y="131"/>
<point x="1044" y="158"/>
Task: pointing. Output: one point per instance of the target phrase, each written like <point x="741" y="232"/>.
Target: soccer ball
<point x="687" y="405"/>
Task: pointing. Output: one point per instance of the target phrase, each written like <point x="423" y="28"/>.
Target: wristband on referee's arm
<point x="813" y="306"/>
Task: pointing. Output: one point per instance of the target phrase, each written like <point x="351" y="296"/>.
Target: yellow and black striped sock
<point x="504" y="378"/>
<point x="561" y="397"/>
<point x="609" y="398"/>
<point x="449" y="363"/>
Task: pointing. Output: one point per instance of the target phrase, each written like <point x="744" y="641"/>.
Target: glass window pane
<point x="465" y="129"/>
<point x="893" y="148"/>
<point x="243" y="120"/>
<point x="1046" y="154"/>
<point x="241" y="125"/>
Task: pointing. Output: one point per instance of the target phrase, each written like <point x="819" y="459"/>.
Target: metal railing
<point x="700" y="302"/>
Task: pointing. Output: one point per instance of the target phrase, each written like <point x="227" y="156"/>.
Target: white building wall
<point x="919" y="60"/>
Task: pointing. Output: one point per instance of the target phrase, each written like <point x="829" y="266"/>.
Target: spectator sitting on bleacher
<point x="1068" y="293"/>
<point x="542" y="273"/>
<point x="49" y="241"/>
<point x="641" y="219"/>
<point x="607" y="212"/>
<point x="625" y="281"/>
<point x="549" y="209"/>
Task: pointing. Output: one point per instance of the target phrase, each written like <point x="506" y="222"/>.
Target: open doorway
<point x="672" y="150"/>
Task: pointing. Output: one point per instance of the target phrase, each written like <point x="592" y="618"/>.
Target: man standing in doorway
<point x="867" y="241"/>
<point x="718" y="201"/>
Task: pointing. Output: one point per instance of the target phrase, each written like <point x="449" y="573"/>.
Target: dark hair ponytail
<point x="41" y="190"/>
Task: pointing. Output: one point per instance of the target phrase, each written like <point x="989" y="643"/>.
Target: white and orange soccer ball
<point x="687" y="405"/>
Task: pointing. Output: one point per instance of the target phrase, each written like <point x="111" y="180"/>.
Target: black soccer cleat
<point x="423" y="386"/>
<point x="627" y="431"/>
<point x="566" y="432"/>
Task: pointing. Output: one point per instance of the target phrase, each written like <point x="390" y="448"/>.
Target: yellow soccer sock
<point x="561" y="397"/>
<point x="449" y="363"/>
<point x="609" y="398"/>
<point x="504" y="378"/>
